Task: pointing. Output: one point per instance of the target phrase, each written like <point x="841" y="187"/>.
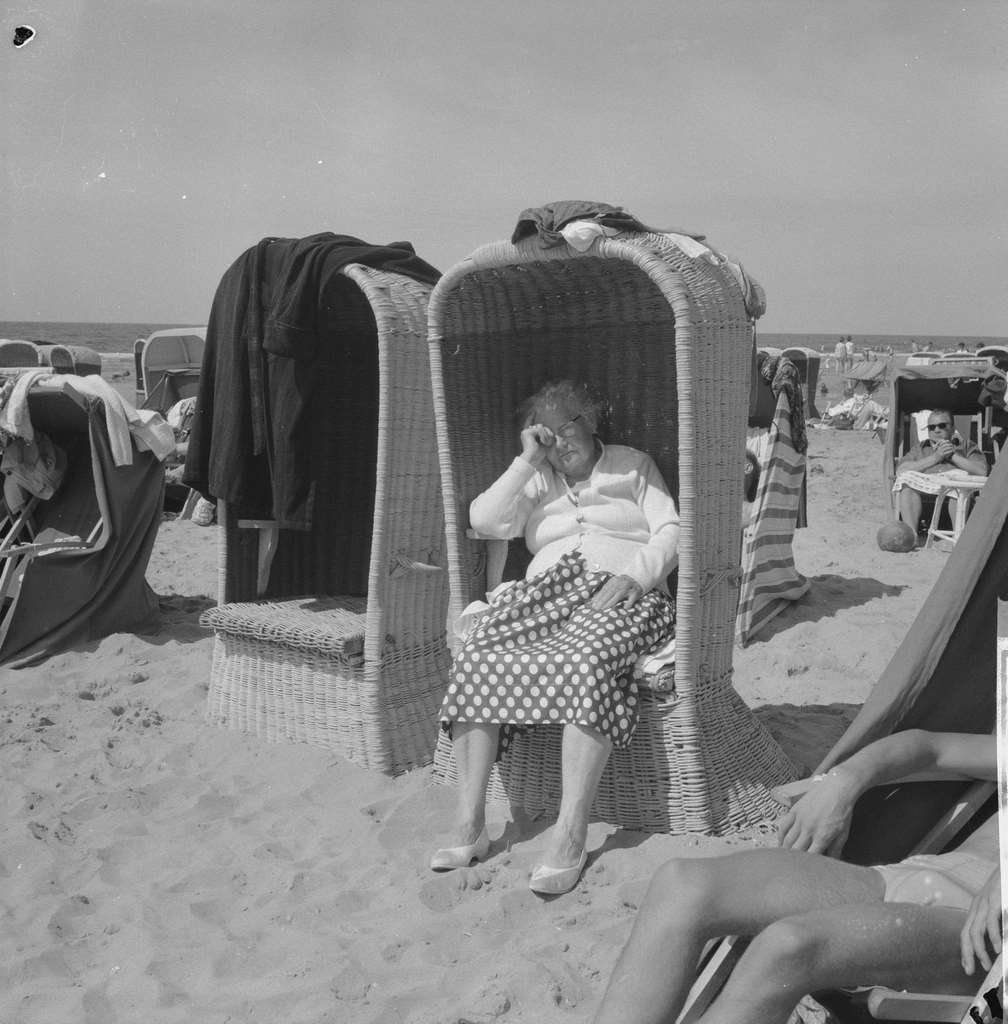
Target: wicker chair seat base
<point x="379" y="717"/>
<point x="660" y="783"/>
<point x="333" y="627"/>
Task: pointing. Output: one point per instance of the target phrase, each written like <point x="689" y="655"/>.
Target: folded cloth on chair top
<point x="249" y="443"/>
<point x="547" y="220"/>
<point x="125" y="423"/>
<point x="14" y="416"/>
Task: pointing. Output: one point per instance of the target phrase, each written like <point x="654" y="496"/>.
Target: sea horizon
<point x="118" y="336"/>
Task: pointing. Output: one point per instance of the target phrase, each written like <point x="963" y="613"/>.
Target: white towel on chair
<point x="933" y="483"/>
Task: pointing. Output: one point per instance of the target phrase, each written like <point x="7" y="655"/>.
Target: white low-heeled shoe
<point x="555" y="881"/>
<point x="451" y="857"/>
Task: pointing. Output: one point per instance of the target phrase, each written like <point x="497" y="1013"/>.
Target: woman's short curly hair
<point x="569" y="396"/>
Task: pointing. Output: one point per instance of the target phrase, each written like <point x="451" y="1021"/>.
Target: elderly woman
<point x="558" y="646"/>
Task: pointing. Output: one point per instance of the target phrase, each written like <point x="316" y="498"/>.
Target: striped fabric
<point x="769" y="577"/>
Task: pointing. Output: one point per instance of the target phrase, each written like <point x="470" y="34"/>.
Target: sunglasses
<point x="939" y="426"/>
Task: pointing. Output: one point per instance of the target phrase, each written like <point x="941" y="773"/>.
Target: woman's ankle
<point x="567" y="842"/>
<point x="468" y="828"/>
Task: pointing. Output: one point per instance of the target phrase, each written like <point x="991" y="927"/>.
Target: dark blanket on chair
<point x="248" y="443"/>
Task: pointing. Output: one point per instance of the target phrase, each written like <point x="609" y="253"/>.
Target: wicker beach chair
<point x="17" y="353"/>
<point x="336" y="636"/>
<point x="667" y="338"/>
<point x="75" y="359"/>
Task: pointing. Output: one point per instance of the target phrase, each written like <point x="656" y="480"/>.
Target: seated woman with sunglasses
<point x="558" y="646"/>
<point x="943" y="450"/>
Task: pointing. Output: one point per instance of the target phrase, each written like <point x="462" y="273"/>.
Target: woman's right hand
<point x="535" y="440"/>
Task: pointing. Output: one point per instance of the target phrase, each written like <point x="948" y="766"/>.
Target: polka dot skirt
<point x="540" y="654"/>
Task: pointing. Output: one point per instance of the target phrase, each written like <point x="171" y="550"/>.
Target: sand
<point x="157" y="868"/>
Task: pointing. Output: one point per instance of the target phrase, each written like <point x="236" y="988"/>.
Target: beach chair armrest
<point x="791" y="792"/>
<point x="496" y="557"/>
<point x="269" y="535"/>
<point x="888" y="1004"/>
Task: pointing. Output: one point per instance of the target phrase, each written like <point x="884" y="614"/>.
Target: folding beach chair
<point x="667" y="337"/>
<point x="923" y="687"/>
<point x="72" y="566"/>
<point x="880" y="1002"/>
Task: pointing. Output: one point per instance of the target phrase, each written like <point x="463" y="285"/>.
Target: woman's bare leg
<point x="692" y="900"/>
<point x="900" y="945"/>
<point x="474" y="747"/>
<point x="584" y="754"/>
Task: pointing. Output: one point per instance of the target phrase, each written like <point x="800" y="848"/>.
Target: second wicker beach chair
<point x="336" y="636"/>
<point x="667" y="337"/>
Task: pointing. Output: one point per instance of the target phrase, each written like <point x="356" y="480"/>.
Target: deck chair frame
<point x="721" y="955"/>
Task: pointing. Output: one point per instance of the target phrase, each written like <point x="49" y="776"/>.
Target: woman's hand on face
<point x="982" y="930"/>
<point x="620" y="590"/>
<point x="535" y="440"/>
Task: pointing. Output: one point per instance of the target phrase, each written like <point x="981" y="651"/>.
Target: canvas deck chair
<point x="335" y="636"/>
<point x="956" y="385"/>
<point x="807" y="361"/>
<point x="72" y="566"/>
<point x="924" y="686"/>
<point x="174" y="349"/>
<point x="770" y="581"/>
<point x="997" y="354"/>
<point x="668" y="340"/>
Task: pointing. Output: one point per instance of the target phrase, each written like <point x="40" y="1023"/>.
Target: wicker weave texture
<point x="379" y="717"/>
<point x="667" y="339"/>
<point x="360" y="665"/>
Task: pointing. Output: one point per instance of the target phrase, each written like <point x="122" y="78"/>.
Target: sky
<point x="853" y="156"/>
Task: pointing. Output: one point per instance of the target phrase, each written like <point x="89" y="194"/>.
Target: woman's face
<point x="573" y="451"/>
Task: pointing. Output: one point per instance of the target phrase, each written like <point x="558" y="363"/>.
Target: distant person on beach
<point x="961" y="347"/>
<point x="816" y="922"/>
<point x="557" y="646"/>
<point x="840" y="354"/>
<point x="943" y="450"/>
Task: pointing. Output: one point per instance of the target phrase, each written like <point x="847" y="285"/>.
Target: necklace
<point x="575" y="501"/>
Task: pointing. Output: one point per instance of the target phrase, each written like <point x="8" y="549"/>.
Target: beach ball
<point x="897" y="536"/>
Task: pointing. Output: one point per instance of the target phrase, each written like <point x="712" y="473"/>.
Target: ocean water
<point x="109" y="338"/>
<point x="119" y="338"/>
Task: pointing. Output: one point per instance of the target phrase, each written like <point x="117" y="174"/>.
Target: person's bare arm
<point x="820" y="820"/>
<point x="941" y="452"/>
<point x="974" y="463"/>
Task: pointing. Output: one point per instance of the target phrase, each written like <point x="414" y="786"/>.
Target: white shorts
<point x="941" y="880"/>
